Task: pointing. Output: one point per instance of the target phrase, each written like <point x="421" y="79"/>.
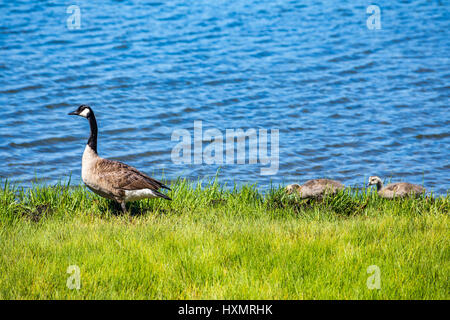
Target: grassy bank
<point x="212" y="242"/>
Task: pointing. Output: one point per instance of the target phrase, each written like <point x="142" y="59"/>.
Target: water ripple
<point x="349" y="102"/>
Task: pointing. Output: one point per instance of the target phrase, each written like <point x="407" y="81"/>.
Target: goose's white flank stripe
<point x="133" y="195"/>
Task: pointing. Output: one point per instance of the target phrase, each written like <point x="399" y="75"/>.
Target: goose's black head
<point x="83" y="111"/>
<point x="86" y="112"/>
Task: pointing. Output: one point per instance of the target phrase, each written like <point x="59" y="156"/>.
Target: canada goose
<point x="315" y="188"/>
<point x="399" y="189"/>
<point x="112" y="179"/>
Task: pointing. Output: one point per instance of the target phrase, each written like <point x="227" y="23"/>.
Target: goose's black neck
<point x="92" y="142"/>
<point x="379" y="185"/>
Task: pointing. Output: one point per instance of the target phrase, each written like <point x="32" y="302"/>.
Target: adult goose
<point x="112" y="179"/>
<point x="393" y="190"/>
<point x="316" y="188"/>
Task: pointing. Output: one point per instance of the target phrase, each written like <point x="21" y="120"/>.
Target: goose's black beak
<point x="73" y="113"/>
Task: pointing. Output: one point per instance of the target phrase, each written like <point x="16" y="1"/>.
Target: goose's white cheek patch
<point x="85" y="113"/>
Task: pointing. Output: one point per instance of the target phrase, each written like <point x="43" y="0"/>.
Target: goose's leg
<point x="124" y="207"/>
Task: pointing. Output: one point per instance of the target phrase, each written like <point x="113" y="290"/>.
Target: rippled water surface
<point x="349" y="102"/>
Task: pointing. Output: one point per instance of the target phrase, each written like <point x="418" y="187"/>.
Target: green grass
<point x="213" y="242"/>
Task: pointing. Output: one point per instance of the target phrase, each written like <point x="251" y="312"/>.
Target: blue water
<point x="349" y="102"/>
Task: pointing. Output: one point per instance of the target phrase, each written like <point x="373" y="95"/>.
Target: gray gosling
<point x="315" y="189"/>
<point x="112" y="179"/>
<point x="396" y="190"/>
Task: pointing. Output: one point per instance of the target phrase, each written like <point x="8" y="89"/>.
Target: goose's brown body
<point x="115" y="180"/>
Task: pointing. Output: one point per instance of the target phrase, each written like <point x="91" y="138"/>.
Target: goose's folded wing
<point x="122" y="176"/>
<point x="394" y="187"/>
<point x="413" y="188"/>
<point x="319" y="185"/>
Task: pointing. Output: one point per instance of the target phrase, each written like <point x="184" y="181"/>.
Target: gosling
<point x="396" y="190"/>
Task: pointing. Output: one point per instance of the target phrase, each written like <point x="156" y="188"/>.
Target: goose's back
<point x="319" y="187"/>
<point x="401" y="189"/>
<point x="121" y="176"/>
